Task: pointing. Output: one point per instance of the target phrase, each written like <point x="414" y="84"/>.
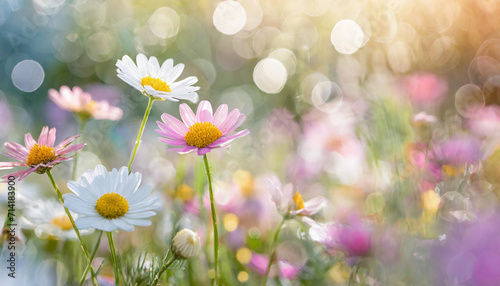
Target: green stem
<point x="273" y="252"/>
<point x="163" y="268"/>
<point x="89" y="264"/>
<point x="141" y="130"/>
<point x="75" y="158"/>
<point x="82" y="244"/>
<point x="115" y="258"/>
<point x="214" y="220"/>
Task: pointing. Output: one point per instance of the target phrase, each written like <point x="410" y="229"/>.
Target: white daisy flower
<point x="186" y="244"/>
<point x="155" y="81"/>
<point x="111" y="200"/>
<point x="48" y="219"/>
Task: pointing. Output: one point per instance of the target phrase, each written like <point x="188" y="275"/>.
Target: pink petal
<point x="238" y="123"/>
<point x="51" y="138"/>
<point x="203" y="151"/>
<point x="225" y="140"/>
<point x="204" y="112"/>
<point x="184" y="150"/>
<point x="67" y="141"/>
<point x="175" y="124"/>
<point x="20" y="152"/>
<point x="231" y="119"/>
<point x="187" y="115"/>
<point x="29" y="141"/>
<point x="42" y="140"/>
<point x="172" y="141"/>
<point x="10" y="165"/>
<point x="26" y="173"/>
<point x="56" y="161"/>
<point x="220" y="115"/>
<point x="72" y="148"/>
<point x="19" y="175"/>
<point x="168" y="132"/>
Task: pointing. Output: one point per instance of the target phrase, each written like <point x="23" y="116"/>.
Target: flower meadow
<point x="250" y="142"/>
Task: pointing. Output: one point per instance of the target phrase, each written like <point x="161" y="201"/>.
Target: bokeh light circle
<point x="270" y="75"/>
<point x="469" y="99"/>
<point x="28" y="75"/>
<point x="229" y="17"/>
<point x="164" y="23"/>
<point x="327" y="96"/>
<point x="347" y="37"/>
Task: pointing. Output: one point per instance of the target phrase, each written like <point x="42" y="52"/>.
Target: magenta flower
<point x="39" y="157"/>
<point x="201" y="132"/>
<point x="357" y="238"/>
<point x="83" y="105"/>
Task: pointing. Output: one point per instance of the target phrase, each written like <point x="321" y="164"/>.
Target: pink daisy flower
<point x="201" y="132"/>
<point x="83" y="105"/>
<point x="39" y="157"/>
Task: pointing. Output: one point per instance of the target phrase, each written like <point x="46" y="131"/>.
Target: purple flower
<point x="458" y="151"/>
<point x="470" y="255"/>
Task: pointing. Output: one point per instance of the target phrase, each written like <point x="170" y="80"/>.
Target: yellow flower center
<point x="155" y="83"/>
<point x="299" y="201"/>
<point x="111" y="205"/>
<point x="62" y="222"/>
<point x="40" y="155"/>
<point x="91" y="105"/>
<point x="202" y="134"/>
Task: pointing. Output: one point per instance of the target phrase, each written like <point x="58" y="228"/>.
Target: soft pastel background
<point x="333" y="92"/>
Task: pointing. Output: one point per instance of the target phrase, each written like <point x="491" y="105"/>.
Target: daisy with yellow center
<point x="49" y="220"/>
<point x="203" y="131"/>
<point x="81" y="103"/>
<point x="158" y="82"/>
<point x="39" y="156"/>
<point x="110" y="200"/>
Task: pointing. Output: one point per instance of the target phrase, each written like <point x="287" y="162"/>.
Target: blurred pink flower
<point x="83" y="105"/>
<point x="425" y="89"/>
<point x="259" y="262"/>
<point x="356" y="238"/>
<point x="201" y="132"/>
<point x="330" y="144"/>
<point x="486" y="121"/>
<point x="39" y="157"/>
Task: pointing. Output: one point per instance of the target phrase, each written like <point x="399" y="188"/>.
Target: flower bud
<point x="186" y="244"/>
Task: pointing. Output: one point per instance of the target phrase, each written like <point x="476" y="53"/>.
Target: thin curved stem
<point x="141" y="130"/>
<point x="273" y="251"/>
<point x="82" y="244"/>
<point x="75" y="158"/>
<point x="214" y="220"/>
<point x="163" y="268"/>
<point x="92" y="255"/>
<point x="115" y="257"/>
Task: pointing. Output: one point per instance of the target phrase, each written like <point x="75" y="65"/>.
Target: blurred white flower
<point x="48" y="218"/>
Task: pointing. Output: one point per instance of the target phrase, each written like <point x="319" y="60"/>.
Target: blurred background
<point x="387" y="108"/>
